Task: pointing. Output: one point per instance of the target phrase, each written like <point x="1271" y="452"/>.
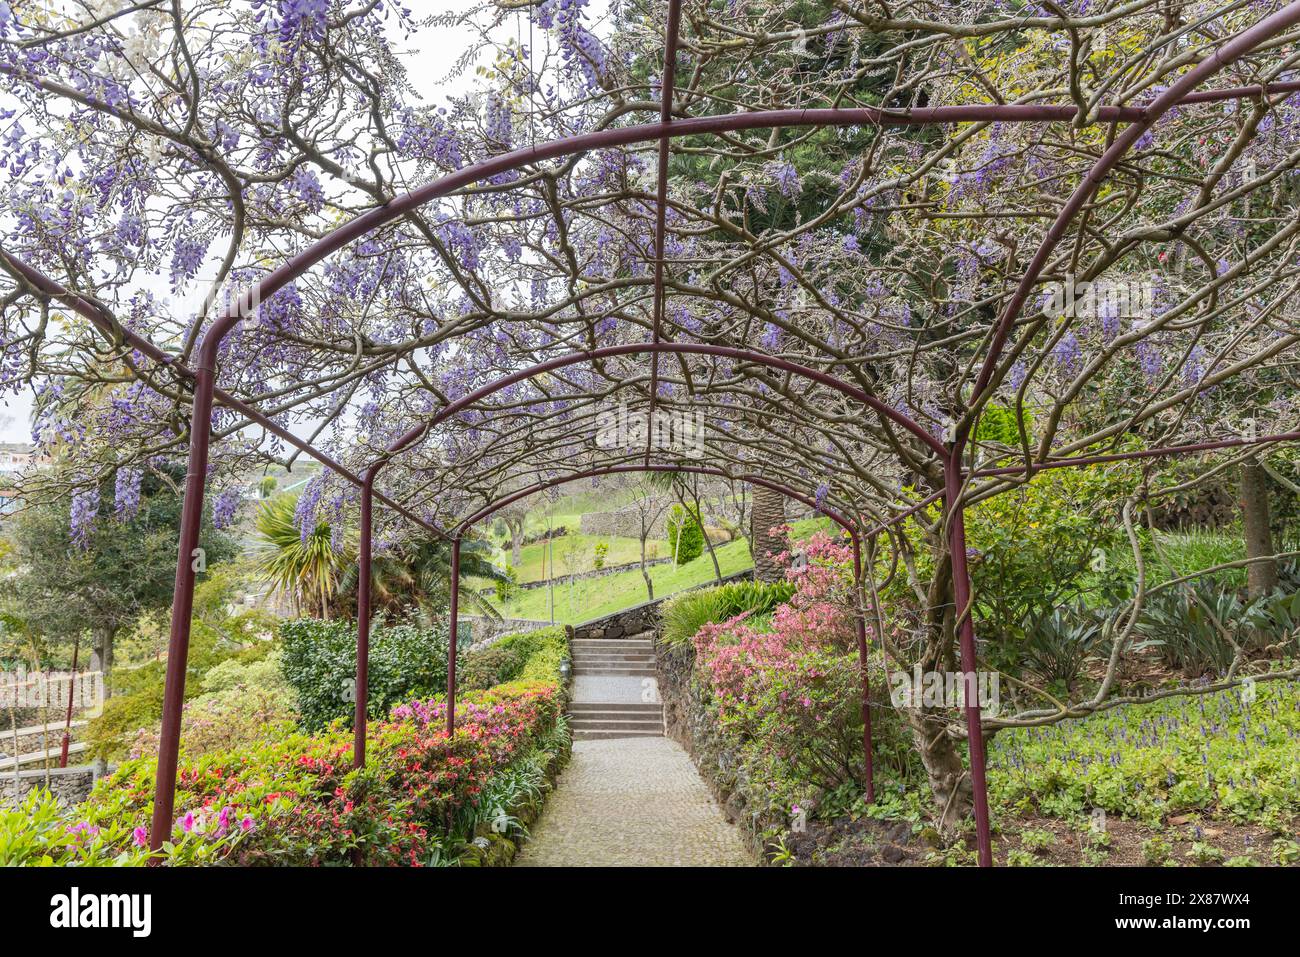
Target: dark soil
<point x="867" y="842"/>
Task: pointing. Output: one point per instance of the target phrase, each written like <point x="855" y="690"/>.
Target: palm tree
<point x="767" y="512"/>
<point x="418" y="574"/>
<point x="306" y="567"/>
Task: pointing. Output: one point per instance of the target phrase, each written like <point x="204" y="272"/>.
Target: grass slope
<point x="595" y="598"/>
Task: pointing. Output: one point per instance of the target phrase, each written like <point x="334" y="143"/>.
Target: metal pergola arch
<point x="956" y="477"/>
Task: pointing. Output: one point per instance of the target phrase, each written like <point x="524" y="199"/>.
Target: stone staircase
<point x="610" y="678"/>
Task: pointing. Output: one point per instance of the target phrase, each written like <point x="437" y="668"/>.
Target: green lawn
<point x="534" y="562"/>
<point x="597" y="597"/>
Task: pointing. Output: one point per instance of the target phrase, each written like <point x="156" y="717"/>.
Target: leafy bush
<point x="138" y="692"/>
<point x="42" y="833"/>
<point x="507" y="586"/>
<point x="243" y="700"/>
<point x="493" y="665"/>
<point x="1054" y="647"/>
<point x="1034" y="547"/>
<point x="684" y="614"/>
<point x="320" y="662"/>
<point x="685" y="535"/>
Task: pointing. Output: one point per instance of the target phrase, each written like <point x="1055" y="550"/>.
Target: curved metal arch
<point x="414" y="434"/>
<point x="204" y="381"/>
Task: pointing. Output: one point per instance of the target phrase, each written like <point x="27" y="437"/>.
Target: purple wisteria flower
<point x="306" y="186"/>
<point x="786" y="178"/>
<point x="126" y="493"/>
<point x="85" y="507"/>
<point x="1068" y="354"/>
<point x="225" y="507"/>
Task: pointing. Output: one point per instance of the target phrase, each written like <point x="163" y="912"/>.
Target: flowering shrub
<point x="40" y="832"/>
<point x="296" y="800"/>
<point x="791" y="692"/>
<point x="241" y="703"/>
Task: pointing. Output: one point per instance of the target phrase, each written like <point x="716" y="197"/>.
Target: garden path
<point x="632" y="802"/>
<point x="629" y="796"/>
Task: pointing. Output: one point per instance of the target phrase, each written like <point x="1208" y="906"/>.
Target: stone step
<point x="629" y="706"/>
<point x="597" y="644"/>
<point x="582" y="735"/>
<point x="612" y="659"/>
<point x="617" y="716"/>
<point x="606" y="672"/>
<point x="610" y="653"/>
<point x="614" y="719"/>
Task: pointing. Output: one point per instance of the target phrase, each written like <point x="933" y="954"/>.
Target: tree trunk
<point x="516" y="526"/>
<point x="101" y="655"/>
<point x="649" y="584"/>
<point x="950" y="785"/>
<point x="767" y="511"/>
<point x="1261" y="577"/>
<point x="101" y="660"/>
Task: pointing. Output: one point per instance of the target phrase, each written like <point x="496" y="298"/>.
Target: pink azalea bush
<point x="791" y="691"/>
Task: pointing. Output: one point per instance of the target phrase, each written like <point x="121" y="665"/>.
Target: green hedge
<point x="521" y="656"/>
<point x="320" y="662"/>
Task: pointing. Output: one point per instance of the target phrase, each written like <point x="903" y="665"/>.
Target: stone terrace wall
<point x="625" y="523"/>
<point x="70" y="785"/>
<point x="485" y="629"/>
<point x="638" y="618"/>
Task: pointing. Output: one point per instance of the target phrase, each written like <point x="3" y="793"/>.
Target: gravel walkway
<point x="632" y="802"/>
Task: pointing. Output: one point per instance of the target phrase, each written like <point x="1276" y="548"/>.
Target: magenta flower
<point x="246" y="825"/>
<point x="187" y="822"/>
<point x="141" y="837"/>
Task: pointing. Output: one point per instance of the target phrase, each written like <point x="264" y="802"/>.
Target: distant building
<point x="16" y="457"/>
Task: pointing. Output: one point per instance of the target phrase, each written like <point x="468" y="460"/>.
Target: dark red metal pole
<point x="451" y="645"/>
<point x="362" y="689"/>
<point x="189" y="556"/>
<point x="67" y="721"/>
<point x="961" y="588"/>
<point x="860" y="621"/>
<point x="668" y="83"/>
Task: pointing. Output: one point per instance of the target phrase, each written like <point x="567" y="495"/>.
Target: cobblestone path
<point x="636" y="802"/>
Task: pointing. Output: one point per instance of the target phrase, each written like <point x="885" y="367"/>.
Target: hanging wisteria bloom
<point x="126" y="493"/>
<point x="83" y="512"/>
<point x="225" y="507"/>
<point x="1068" y="354"/>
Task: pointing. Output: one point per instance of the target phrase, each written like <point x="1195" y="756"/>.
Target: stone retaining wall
<point x="691" y="723"/>
<point x="486" y="630"/>
<point x="70" y="785"/>
<point x="638" y="618"/>
<point x="597" y="573"/>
